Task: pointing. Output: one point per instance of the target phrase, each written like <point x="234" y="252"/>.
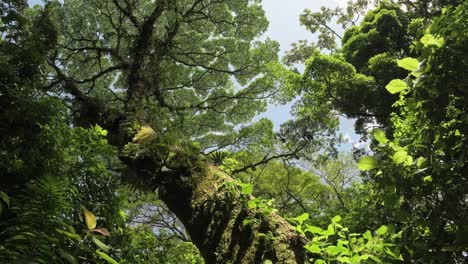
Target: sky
<point x="285" y="28"/>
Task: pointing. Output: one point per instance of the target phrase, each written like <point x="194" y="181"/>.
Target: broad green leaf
<point x="410" y="64"/>
<point x="313" y="248"/>
<point x="267" y="261"/>
<point x="367" y="163"/>
<point x="90" y="219"/>
<point x="300" y="219"/>
<point x="396" y="86"/>
<point x="399" y="157"/>
<point x="106" y="257"/>
<point x="379" y="135"/>
<point x="334" y="250"/>
<point x="100" y="244"/>
<point x="320" y="261"/>
<point x="344" y="259"/>
<point x="330" y="231"/>
<point x="336" y="219"/>
<point x="430" y="40"/>
<point x="313" y="229"/>
<point x="382" y="230"/>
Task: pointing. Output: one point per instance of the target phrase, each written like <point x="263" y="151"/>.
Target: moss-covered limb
<point x="213" y="213"/>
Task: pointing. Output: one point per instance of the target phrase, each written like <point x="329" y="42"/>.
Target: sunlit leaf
<point x="379" y="135"/>
<point x="313" y="229"/>
<point x="313" y="248"/>
<point x="367" y="163"/>
<point x="90" y="219"/>
<point x="399" y="157"/>
<point x="396" y="86"/>
<point x="336" y="219"/>
<point x="410" y="64"/>
<point x="300" y="219"/>
<point x="382" y="230"/>
<point x="430" y="40"/>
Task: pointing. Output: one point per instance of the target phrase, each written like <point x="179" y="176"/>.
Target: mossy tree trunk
<point x="213" y="209"/>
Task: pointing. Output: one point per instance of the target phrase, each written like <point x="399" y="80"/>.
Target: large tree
<point x="169" y="81"/>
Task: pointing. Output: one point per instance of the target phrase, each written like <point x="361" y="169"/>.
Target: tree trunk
<point x="212" y="209"/>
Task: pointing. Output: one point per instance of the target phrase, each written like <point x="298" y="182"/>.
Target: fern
<point x="29" y="234"/>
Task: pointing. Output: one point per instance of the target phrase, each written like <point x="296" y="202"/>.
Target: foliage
<point x="108" y="106"/>
<point x="337" y="244"/>
<point x="422" y="169"/>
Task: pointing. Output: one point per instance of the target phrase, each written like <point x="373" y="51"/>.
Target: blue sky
<point x="286" y="29"/>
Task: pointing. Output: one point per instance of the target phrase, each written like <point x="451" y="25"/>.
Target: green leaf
<point x="101" y="131"/>
<point x="396" y="86"/>
<point x="430" y="40"/>
<point x="101" y="245"/>
<point x="379" y="135"/>
<point x="320" y="261"/>
<point x="5" y="198"/>
<point x="69" y="234"/>
<point x="106" y="257"/>
<point x="334" y="250"/>
<point x="300" y="219"/>
<point x="313" y="248"/>
<point x="421" y="162"/>
<point x="344" y="259"/>
<point x="410" y="64"/>
<point x="367" y="235"/>
<point x="367" y="163"/>
<point x="399" y="157"/>
<point x="69" y="258"/>
<point x="427" y="178"/>
<point x="374" y="258"/>
<point x="313" y="229"/>
<point x="247" y="188"/>
<point x="336" y="219"/>
<point x="382" y="230"/>
<point x="246" y="222"/>
<point x="267" y="261"/>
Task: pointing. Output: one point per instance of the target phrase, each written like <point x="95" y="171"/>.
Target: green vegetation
<point x="128" y="134"/>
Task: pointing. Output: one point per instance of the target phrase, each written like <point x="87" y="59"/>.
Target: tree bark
<point x="213" y="209"/>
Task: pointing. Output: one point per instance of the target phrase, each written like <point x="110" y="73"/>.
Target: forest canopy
<point x="130" y="133"/>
